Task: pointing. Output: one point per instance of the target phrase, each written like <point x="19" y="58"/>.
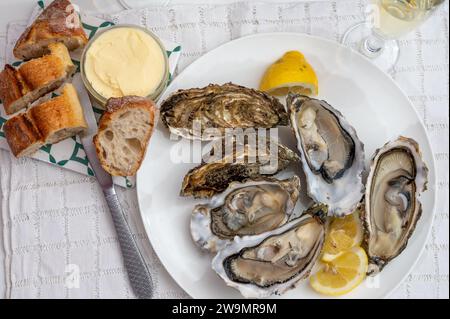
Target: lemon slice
<point x="291" y="73"/>
<point x="351" y="225"/>
<point x="341" y="275"/>
<point x="343" y="234"/>
<point x="336" y="243"/>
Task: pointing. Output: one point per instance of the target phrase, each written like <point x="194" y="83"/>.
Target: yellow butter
<point x="124" y="61"/>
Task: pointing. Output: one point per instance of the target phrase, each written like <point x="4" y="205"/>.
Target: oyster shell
<point x="221" y="107"/>
<point x="249" y="208"/>
<point x="332" y="155"/>
<point x="273" y="262"/>
<point x="397" y="177"/>
<point x="243" y="160"/>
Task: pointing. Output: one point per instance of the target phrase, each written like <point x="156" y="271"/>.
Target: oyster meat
<point x="220" y="107"/>
<point x="271" y="263"/>
<point x="396" y="179"/>
<point x="248" y="208"/>
<point x="332" y="155"/>
<point x="241" y="161"/>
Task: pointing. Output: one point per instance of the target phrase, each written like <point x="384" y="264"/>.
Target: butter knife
<point x="137" y="270"/>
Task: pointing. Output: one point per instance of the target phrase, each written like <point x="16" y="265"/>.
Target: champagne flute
<point x="388" y="20"/>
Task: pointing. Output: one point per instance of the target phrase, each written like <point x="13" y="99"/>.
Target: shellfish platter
<point x="252" y="217"/>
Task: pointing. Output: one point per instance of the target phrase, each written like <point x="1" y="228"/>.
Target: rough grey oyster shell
<point x="332" y="155"/>
<point x="242" y="161"/>
<point x="248" y="208"/>
<point x="392" y="208"/>
<point x="220" y="106"/>
<point x="273" y="262"/>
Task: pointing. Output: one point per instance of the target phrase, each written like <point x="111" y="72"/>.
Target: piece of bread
<point x="22" y="135"/>
<point x="61" y="117"/>
<point x="123" y="134"/>
<point x="35" y="78"/>
<point x="58" y="22"/>
<point x="47" y="123"/>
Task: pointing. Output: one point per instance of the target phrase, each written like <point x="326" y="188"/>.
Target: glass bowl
<point x="100" y="99"/>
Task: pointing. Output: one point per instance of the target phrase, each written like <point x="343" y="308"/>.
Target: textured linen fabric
<point x="53" y="218"/>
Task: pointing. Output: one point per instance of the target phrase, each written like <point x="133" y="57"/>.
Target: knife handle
<point x="138" y="273"/>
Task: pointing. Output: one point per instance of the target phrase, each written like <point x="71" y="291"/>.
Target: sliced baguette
<point x="22" y="135"/>
<point x="61" y="117"/>
<point x="47" y="123"/>
<point x="58" y="22"/>
<point x="35" y="78"/>
<point x="123" y="135"/>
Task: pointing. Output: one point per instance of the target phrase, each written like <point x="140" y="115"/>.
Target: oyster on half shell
<point x="332" y="155"/>
<point x="397" y="177"/>
<point x="242" y="160"/>
<point x="248" y="208"/>
<point x="271" y="263"/>
<point x="221" y="107"/>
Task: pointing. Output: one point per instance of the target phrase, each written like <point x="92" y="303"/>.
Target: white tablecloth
<point x="54" y="223"/>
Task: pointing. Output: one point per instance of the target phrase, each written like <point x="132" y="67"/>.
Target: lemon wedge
<point x="342" y="274"/>
<point x="343" y="234"/>
<point x="291" y="73"/>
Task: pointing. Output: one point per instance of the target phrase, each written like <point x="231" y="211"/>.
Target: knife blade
<point x="138" y="273"/>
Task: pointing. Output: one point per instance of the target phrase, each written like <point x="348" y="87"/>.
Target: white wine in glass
<point x="399" y="17"/>
<point x="389" y="20"/>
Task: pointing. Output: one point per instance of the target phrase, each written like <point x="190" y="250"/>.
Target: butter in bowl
<point x="124" y="60"/>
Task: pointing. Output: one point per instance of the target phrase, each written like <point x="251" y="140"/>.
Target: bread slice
<point x="61" y="117"/>
<point x="123" y="135"/>
<point x="47" y="123"/>
<point x="35" y="78"/>
<point x="58" y="22"/>
<point x="22" y="135"/>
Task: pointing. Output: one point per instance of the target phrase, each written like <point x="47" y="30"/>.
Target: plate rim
<point x="431" y="166"/>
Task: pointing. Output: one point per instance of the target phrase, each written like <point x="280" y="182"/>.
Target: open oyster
<point x="221" y="107"/>
<point x="249" y="208"/>
<point x="238" y="161"/>
<point x="397" y="177"/>
<point x="332" y="155"/>
<point x="275" y="261"/>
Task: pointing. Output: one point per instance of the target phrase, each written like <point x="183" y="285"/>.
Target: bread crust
<point x="39" y="72"/>
<point x="12" y="87"/>
<point x="115" y="107"/>
<point x="57" y="23"/>
<point x="22" y="134"/>
<point x="46" y="123"/>
<point x="35" y="78"/>
<point x="60" y="113"/>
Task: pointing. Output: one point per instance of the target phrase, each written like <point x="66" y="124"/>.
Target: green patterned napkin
<point x="69" y="153"/>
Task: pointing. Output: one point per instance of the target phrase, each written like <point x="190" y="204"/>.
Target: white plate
<point x="367" y="97"/>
